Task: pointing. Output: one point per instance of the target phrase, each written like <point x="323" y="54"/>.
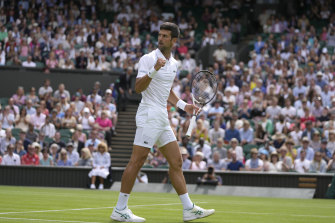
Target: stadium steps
<point x="122" y="143"/>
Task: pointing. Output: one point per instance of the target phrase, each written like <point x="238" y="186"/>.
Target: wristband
<point x="181" y="104"/>
<point x="152" y="72"/>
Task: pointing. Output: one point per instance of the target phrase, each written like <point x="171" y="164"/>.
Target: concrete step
<point x="120" y="160"/>
<point x="121" y="155"/>
<point x="118" y="164"/>
<point x="127" y="131"/>
<point x="130" y="146"/>
<point x="121" y="150"/>
<point x="123" y="134"/>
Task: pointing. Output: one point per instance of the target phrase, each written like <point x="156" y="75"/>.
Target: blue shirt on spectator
<point x="232" y="133"/>
<point x="235" y="165"/>
<point x="309" y="153"/>
<point x="247" y="135"/>
<point x="62" y="163"/>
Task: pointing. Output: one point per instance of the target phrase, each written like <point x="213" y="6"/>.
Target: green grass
<point x="26" y="202"/>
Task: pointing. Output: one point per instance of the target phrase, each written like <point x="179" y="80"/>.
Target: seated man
<point x="235" y="165"/>
<point x="254" y="164"/>
<point x="302" y="165"/>
<point x="210" y="178"/>
<point x="31" y="158"/>
<point x="216" y="162"/>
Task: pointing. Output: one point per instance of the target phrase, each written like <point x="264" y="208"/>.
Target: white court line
<point x="44" y="220"/>
<point x="80" y="209"/>
<point x="263" y="213"/>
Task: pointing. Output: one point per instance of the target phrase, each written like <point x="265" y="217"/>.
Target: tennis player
<point x="156" y="73"/>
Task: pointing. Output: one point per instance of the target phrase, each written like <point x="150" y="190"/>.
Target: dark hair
<point x="171" y="27"/>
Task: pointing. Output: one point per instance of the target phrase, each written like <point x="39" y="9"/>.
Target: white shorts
<point x="147" y="137"/>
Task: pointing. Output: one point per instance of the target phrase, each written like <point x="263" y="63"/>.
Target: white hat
<point x="324" y="50"/>
<point x="108" y="91"/>
<point x="199" y="154"/>
<point x="319" y="73"/>
<point x="86" y="110"/>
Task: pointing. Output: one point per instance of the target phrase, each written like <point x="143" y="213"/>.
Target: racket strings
<point x="204" y="87"/>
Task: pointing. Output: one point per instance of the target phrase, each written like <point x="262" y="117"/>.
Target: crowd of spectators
<point x="273" y="113"/>
<point x="54" y="128"/>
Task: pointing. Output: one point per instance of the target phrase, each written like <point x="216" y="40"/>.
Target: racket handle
<point x="191" y="126"/>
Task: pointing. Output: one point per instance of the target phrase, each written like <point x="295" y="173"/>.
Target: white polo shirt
<point x="152" y="109"/>
<point x="11" y="160"/>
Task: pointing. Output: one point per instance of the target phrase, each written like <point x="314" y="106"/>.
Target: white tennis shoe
<point x="125" y="216"/>
<point x="196" y="212"/>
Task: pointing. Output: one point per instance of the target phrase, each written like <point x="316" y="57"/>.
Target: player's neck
<point x="166" y="53"/>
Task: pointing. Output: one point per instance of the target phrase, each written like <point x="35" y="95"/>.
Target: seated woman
<point x="200" y="131"/>
<point x="69" y="121"/>
<point x="47" y="159"/>
<point x="105" y="124"/>
<point x="101" y="163"/>
<point x="85" y="158"/>
<point x="64" y="161"/>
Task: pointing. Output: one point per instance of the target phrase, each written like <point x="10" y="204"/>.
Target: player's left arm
<point x="173" y="99"/>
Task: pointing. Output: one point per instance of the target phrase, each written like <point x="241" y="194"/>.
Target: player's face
<point x="165" y="42"/>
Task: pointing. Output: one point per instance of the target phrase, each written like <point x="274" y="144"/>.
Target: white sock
<point x="186" y="201"/>
<point x="123" y="201"/>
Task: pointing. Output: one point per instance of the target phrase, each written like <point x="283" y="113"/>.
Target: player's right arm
<point x="142" y="82"/>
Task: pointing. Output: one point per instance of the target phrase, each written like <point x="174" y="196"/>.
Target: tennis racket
<point x="204" y="89"/>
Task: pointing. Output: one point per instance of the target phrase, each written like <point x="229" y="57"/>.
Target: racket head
<point x="204" y="87"/>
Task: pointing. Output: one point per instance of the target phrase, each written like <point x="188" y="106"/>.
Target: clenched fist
<point x="160" y="63"/>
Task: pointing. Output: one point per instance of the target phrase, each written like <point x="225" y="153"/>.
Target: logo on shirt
<point x="142" y="71"/>
<point x="145" y="142"/>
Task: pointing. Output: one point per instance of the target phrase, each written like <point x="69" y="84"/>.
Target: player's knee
<point x="176" y="165"/>
<point x="137" y="163"/>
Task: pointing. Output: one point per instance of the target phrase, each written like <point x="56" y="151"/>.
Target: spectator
<point x="57" y="140"/>
<point x="246" y="133"/>
<point x="235" y="164"/>
<point x="19" y="98"/>
<point x="331" y="164"/>
<point x="78" y="139"/>
<point x="309" y="152"/>
<point x="188" y="63"/>
<point x="19" y="149"/>
<point x="186" y="162"/>
<point x="275" y="165"/>
<point x="31" y="158"/>
<point x="331" y="141"/>
<point x="318" y="165"/>
<point x="33" y="97"/>
<point x="254" y="163"/>
<point x="200" y="131"/>
<point x="11" y="158"/>
<point x="38" y="119"/>
<point x="69" y="121"/>
<point x="267" y="147"/>
<point x="85" y="158"/>
<point x="7" y="118"/>
<point x="47" y="159"/>
<point x="22" y="120"/>
<point x="216" y="111"/>
<point x="159" y="160"/>
<point x="29" y="62"/>
<point x="325" y="154"/>
<point x="93" y="140"/>
<point x="301" y="164"/>
<point x="204" y="148"/>
<point x="220" y="54"/>
<point x="198" y="163"/>
<point x="217" y="162"/>
<point x="291" y="151"/>
<point x="63" y="160"/>
<point x="48" y="129"/>
<point x="278" y="140"/>
<point x="220" y="149"/>
<point x="105" y="124"/>
<point x="101" y="163"/>
<point x="232" y="133"/>
<point x="72" y="154"/>
<point x="45" y="89"/>
<point x="54" y="148"/>
<point x="8" y="140"/>
<point x="237" y="149"/>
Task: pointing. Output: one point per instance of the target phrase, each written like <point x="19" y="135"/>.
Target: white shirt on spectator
<point x="279" y="126"/>
<point x="42" y="90"/>
<point x="11" y="160"/>
<point x="2" y="58"/>
<point x="96" y="99"/>
<point x="299" y="165"/>
<point x="215" y="135"/>
<point x="29" y="64"/>
<point x="233" y="89"/>
<point x="6" y="120"/>
<point x="291" y="111"/>
<point x="73" y="157"/>
<point x="188" y="64"/>
<point x="37" y="120"/>
<point x="206" y="150"/>
<point x="273" y="111"/>
<point x="135" y="41"/>
<point x="49" y="130"/>
<point x="85" y="122"/>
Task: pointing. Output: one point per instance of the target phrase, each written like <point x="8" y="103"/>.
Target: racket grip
<point x="191" y="126"/>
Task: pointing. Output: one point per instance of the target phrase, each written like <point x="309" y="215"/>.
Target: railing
<point x="78" y="177"/>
